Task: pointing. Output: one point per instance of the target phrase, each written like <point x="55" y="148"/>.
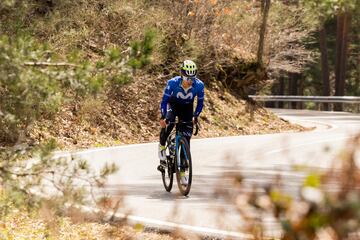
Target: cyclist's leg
<point x="186" y="115"/>
<point x="165" y="132"/>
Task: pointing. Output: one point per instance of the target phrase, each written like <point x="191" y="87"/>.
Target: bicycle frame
<point x="178" y="158"/>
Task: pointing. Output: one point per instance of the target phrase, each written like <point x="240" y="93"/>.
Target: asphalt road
<point x="259" y="159"/>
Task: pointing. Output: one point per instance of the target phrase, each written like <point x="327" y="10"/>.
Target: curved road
<point x="259" y="159"/>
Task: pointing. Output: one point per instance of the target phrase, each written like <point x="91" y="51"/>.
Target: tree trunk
<point x="342" y="30"/>
<point x="324" y="64"/>
<point x="281" y="88"/>
<point x="265" y="7"/>
<point x="344" y="50"/>
<point x="294" y="88"/>
<point x="300" y="90"/>
<point x="339" y="31"/>
<point x="262" y="6"/>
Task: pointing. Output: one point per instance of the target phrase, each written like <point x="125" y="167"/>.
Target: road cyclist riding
<point x="174" y="148"/>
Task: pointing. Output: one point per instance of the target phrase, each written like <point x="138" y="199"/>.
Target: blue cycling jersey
<point x="174" y="90"/>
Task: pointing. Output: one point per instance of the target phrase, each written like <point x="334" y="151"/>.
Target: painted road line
<point x="308" y="143"/>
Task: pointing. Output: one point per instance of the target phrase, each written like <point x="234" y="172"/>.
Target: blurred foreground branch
<point x="60" y="64"/>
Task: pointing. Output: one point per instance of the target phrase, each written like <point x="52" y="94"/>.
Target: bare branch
<point x="49" y="64"/>
<point x="23" y="174"/>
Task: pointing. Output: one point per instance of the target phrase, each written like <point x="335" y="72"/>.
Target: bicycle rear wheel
<point x="183" y="163"/>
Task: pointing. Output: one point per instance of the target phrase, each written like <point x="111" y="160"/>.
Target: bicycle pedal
<point x="161" y="168"/>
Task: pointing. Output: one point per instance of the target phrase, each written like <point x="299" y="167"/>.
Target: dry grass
<point x="226" y="115"/>
<point x="22" y="225"/>
<point x="91" y="110"/>
<point x="211" y="31"/>
<point x="240" y="18"/>
<point x="92" y="26"/>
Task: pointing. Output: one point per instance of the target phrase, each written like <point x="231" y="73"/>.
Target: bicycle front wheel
<point x="183" y="167"/>
<point x="168" y="174"/>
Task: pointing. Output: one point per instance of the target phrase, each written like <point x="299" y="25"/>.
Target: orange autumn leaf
<point x="191" y="13"/>
<point x="227" y="11"/>
<point x="217" y="13"/>
<point x="213" y="2"/>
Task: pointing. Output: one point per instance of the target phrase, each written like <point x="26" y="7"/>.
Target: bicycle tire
<point x="168" y="178"/>
<point x="168" y="175"/>
<point x="183" y="146"/>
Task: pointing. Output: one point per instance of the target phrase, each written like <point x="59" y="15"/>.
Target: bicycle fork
<point x="178" y="153"/>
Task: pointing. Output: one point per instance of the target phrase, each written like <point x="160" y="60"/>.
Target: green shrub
<point x="141" y="51"/>
<point x="27" y="93"/>
<point x="32" y="87"/>
<point x="118" y="67"/>
<point x="27" y="174"/>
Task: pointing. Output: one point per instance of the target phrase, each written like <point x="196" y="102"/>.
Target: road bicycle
<point x="178" y="157"/>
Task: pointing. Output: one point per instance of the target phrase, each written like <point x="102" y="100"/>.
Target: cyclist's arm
<point x="165" y="100"/>
<point x="200" y="101"/>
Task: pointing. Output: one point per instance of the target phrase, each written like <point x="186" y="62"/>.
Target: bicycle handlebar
<point x="197" y="125"/>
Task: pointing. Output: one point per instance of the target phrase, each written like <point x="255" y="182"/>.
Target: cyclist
<point x="178" y="100"/>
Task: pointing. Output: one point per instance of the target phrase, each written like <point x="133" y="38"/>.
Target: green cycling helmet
<point x="188" y="68"/>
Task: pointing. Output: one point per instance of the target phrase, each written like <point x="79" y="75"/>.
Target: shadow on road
<point x="206" y="187"/>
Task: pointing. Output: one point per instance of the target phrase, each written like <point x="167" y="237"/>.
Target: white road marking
<point x="201" y="230"/>
<point x="330" y="127"/>
<point x="170" y="225"/>
<point x="308" y="143"/>
<point x="330" y="117"/>
<point x="347" y="122"/>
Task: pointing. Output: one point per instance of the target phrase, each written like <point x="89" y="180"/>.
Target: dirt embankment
<point x="131" y="116"/>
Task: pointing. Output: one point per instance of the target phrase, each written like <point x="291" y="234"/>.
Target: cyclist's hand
<point x="162" y="123"/>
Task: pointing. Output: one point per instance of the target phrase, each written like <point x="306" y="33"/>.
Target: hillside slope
<point x="132" y="116"/>
<point x="218" y="35"/>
